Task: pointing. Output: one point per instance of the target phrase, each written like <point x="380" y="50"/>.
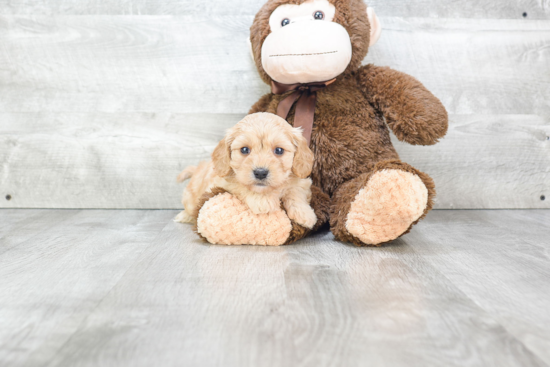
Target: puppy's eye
<point x="319" y="15"/>
<point x="285" y="21"/>
<point x="279" y="151"/>
<point x="245" y="150"/>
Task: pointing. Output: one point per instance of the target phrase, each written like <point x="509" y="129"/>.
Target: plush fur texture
<point x="351" y="137"/>
<point x="262" y="134"/>
<point x="227" y="221"/>
<point x="352" y="15"/>
<point x="249" y="229"/>
<point x="347" y="194"/>
<point x="386" y="206"/>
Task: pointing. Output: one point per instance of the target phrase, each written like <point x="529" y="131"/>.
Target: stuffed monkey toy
<point x="310" y="53"/>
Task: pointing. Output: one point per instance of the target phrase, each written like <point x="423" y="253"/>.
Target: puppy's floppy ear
<point x="303" y="158"/>
<point x="221" y="156"/>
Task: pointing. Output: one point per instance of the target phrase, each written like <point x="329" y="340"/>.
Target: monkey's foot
<point x="387" y="206"/>
<point x="381" y="206"/>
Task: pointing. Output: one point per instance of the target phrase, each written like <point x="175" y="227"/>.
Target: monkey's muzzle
<point x="307" y="51"/>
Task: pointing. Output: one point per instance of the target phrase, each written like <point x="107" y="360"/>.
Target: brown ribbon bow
<point x="306" y="95"/>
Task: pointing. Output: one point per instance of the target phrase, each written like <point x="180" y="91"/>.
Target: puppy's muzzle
<point x="261" y="173"/>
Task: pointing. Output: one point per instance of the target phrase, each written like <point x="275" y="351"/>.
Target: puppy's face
<point x="262" y="159"/>
<point x="262" y="151"/>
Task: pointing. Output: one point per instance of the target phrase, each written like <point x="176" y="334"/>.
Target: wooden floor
<point x="132" y="288"/>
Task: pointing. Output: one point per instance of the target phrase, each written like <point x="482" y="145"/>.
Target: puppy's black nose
<point x="261" y="173"/>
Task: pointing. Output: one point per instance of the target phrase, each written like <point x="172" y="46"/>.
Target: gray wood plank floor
<point x="132" y="288"/>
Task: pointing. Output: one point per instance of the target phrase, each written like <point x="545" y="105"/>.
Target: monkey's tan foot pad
<point x="390" y="202"/>
<point x="225" y="220"/>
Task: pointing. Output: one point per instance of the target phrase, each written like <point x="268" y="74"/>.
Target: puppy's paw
<point x="303" y="215"/>
<point x="262" y="205"/>
<point x="183" y="217"/>
<point x="260" y="209"/>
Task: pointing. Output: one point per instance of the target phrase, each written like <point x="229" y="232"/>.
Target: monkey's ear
<point x="221" y="156"/>
<point x="303" y="158"/>
<point x="250" y="47"/>
<point x="375" y="26"/>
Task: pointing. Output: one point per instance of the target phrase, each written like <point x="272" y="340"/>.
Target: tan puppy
<point x="263" y="161"/>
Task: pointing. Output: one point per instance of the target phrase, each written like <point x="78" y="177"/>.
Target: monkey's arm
<point x="414" y="114"/>
<point x="262" y="105"/>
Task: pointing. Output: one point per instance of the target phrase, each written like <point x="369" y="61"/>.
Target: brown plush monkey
<point x="310" y="52"/>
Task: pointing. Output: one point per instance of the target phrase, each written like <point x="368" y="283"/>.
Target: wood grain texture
<point x="202" y="65"/>
<point x="489" y="67"/>
<point x="111" y="161"/>
<point x="102" y="111"/>
<point x="488" y="162"/>
<point x="127" y="64"/>
<point x="51" y="281"/>
<point x="131" y="160"/>
<point x="33" y="224"/>
<point x="107" y="288"/>
<point x="500" y="262"/>
<point x="13" y="217"/>
<point x="483" y="9"/>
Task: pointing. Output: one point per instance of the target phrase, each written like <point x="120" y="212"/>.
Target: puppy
<point x="263" y="161"/>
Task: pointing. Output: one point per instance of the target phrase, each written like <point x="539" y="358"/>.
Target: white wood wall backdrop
<point x="499" y="9"/>
<point x="103" y="103"/>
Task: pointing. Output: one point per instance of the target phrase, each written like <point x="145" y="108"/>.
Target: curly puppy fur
<point x="271" y="146"/>
<point x="350" y="137"/>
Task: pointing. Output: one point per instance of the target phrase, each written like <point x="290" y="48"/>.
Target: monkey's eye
<point x="245" y="150"/>
<point x="279" y="151"/>
<point x="319" y="15"/>
<point x="285" y="21"/>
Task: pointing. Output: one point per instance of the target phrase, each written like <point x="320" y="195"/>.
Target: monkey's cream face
<point x="305" y="45"/>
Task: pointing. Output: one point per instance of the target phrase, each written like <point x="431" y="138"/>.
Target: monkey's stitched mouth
<point x="312" y="54"/>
